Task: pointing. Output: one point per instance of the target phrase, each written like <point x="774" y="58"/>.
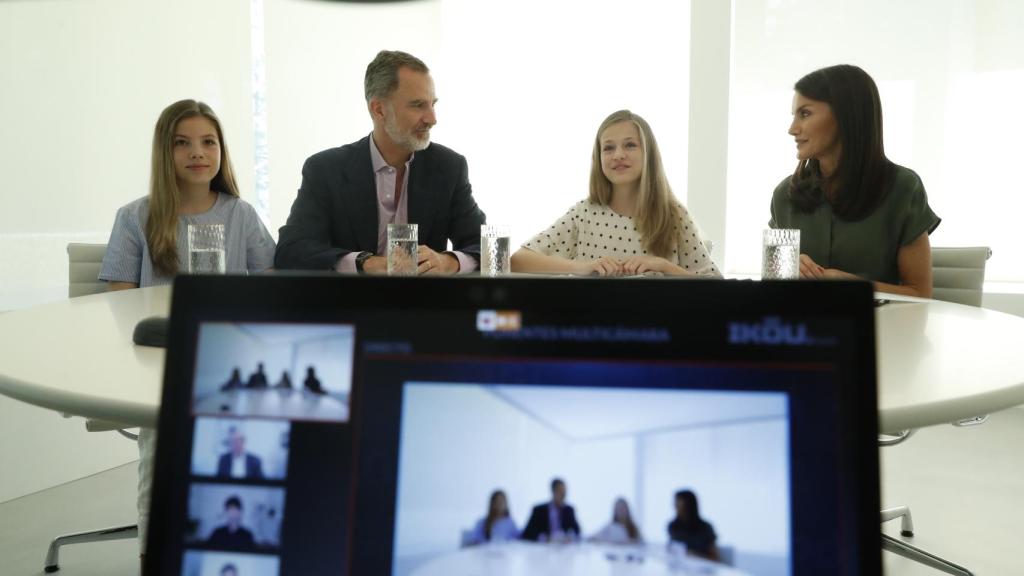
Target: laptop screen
<point x="517" y="426"/>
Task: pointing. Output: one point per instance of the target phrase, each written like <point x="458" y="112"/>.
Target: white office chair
<point x="958" y="274"/>
<point x="84" y="261"/>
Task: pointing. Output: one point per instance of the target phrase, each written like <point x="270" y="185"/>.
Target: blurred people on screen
<point x="234" y="382"/>
<point x="236" y="462"/>
<point x="690" y="529"/>
<point x="285" y="382"/>
<point x="860" y="215"/>
<point x="312" y="383"/>
<point x="631" y="223"/>
<point x="553" y="521"/>
<point x="229" y="570"/>
<point x="232" y="534"/>
<point x="621" y="529"/>
<point x="258" y="379"/>
<point x="497" y="525"/>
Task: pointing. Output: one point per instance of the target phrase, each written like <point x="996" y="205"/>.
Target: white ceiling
<point x="276" y="334"/>
<point x="581" y="413"/>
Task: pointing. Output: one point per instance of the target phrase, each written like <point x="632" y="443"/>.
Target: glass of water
<point x="495" y="250"/>
<point x="780" y="255"/>
<point x="403" y="244"/>
<point x="206" y="249"/>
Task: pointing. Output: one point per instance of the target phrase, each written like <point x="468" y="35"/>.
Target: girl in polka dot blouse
<point x="631" y="223"/>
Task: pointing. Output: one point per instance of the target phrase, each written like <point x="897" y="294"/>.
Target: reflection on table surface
<point x="520" y="558"/>
<point x="273" y="403"/>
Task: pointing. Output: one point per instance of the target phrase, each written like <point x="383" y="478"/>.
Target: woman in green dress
<point x="859" y="214"/>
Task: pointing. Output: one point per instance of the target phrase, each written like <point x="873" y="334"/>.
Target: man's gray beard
<point x="407" y="140"/>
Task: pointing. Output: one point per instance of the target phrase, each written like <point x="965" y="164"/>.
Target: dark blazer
<point x="540" y="523"/>
<point x="335" y="211"/>
<point x="699" y="537"/>
<point x="253" y="466"/>
<point x="223" y="536"/>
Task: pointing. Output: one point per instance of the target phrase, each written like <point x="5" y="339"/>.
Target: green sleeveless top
<point x="865" y="247"/>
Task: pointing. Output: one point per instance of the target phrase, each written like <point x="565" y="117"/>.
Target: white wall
<point x="83" y="84"/>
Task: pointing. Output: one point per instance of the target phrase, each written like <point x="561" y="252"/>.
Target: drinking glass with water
<point x="780" y="256"/>
<point x="495" y="250"/>
<point x="403" y="247"/>
<point x="206" y="249"/>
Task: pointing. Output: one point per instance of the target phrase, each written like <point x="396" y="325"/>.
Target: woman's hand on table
<point x="603" y="266"/>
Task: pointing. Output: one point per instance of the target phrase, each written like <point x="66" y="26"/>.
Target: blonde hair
<point x="658" y="212"/>
<point x="164" y="195"/>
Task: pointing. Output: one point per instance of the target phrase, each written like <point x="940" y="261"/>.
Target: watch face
<point x="361" y="259"/>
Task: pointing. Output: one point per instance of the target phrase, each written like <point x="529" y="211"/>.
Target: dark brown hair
<point x="381" y="77"/>
<point x="492" y="515"/>
<point x="863" y="175"/>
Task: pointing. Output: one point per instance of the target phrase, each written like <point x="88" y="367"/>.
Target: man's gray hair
<point x="382" y="74"/>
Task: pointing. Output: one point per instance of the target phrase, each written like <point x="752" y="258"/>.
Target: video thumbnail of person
<point x="234" y="517"/>
<point x="558" y="475"/>
<point x="240" y="449"/>
<point x="202" y="563"/>
<point x="274" y="370"/>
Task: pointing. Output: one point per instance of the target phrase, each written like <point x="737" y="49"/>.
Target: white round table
<point x="938" y="362"/>
<point x="519" y="558"/>
<point x="77" y="356"/>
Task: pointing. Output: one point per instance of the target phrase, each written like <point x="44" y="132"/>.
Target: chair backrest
<point x="84" y="261"/>
<point x="958" y="274"/>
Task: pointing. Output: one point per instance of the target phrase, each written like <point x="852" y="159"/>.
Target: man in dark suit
<point x="395" y="175"/>
<point x="258" y="379"/>
<point x="236" y="462"/>
<point x="232" y="534"/>
<point x="553" y="521"/>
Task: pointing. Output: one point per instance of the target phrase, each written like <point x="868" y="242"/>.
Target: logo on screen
<point x="498" y="321"/>
<point x="771" y="330"/>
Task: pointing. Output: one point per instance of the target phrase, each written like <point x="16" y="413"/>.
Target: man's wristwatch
<point x="361" y="259"/>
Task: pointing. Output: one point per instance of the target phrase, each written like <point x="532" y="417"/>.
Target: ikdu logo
<point x="772" y="331"/>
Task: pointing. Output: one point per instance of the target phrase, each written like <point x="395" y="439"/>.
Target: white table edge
<point x="113" y="411"/>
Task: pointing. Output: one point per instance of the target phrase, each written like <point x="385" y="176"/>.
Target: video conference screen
<point x="558" y="446"/>
<point x="473" y="441"/>
<point x="610" y="446"/>
<point x="266" y="398"/>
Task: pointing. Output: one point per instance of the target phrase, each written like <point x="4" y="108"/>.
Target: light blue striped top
<point x="248" y="246"/>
